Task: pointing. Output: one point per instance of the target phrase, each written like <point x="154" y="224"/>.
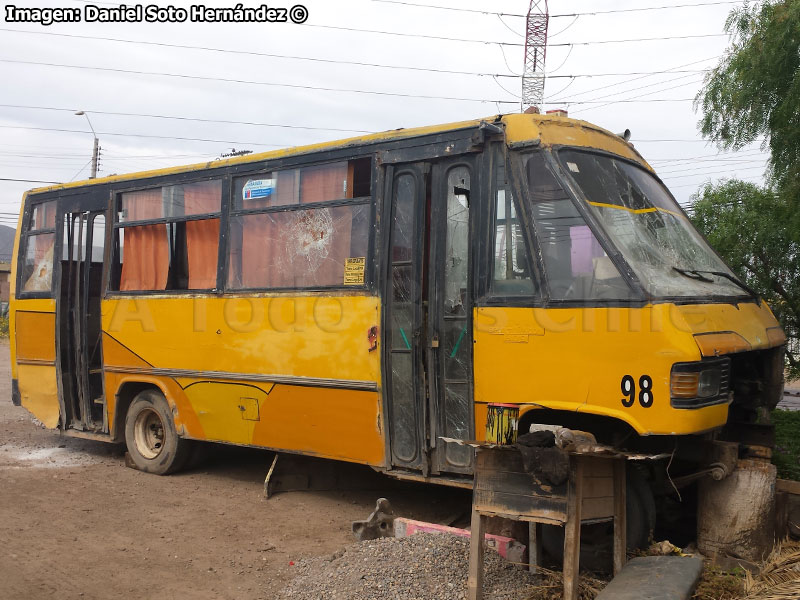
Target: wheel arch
<point x="606" y="429"/>
<point x="127" y="391"/>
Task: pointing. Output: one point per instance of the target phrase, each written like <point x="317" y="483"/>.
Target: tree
<point x="756" y="232"/>
<point x="754" y="91"/>
<point x="753" y="94"/>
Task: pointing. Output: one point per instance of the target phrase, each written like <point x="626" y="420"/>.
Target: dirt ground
<point x="76" y="523"/>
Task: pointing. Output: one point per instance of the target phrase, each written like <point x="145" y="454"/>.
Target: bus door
<point x="428" y="314"/>
<point x="79" y="324"/>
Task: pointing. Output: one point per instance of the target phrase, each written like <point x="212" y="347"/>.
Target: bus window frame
<point x="22" y="248"/>
<point x="369" y="200"/>
<point x="639" y="296"/>
<point x="488" y="296"/>
<point x="113" y="267"/>
<point x="578" y="195"/>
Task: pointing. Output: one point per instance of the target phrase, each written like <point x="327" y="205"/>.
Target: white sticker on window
<point x="258" y="188"/>
<point x="573" y="167"/>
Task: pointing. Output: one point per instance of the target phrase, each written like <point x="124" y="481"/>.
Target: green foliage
<point x="755" y="89"/>
<point x="786" y="456"/>
<point x="757" y="231"/>
<point x="3" y="327"/>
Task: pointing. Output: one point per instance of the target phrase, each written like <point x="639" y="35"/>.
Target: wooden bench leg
<point x="572" y="530"/>
<point x="534" y="546"/>
<point x="475" y="580"/>
<point x="620" y="525"/>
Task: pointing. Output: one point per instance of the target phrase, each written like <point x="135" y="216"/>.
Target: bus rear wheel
<point x="153" y="443"/>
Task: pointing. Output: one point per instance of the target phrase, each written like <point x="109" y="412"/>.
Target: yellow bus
<point x="362" y="299"/>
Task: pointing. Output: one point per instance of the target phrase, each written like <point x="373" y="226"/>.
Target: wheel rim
<point x="148" y="433"/>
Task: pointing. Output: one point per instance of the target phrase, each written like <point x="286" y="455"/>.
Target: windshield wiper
<point x="692" y="274"/>
<point x="698" y="275"/>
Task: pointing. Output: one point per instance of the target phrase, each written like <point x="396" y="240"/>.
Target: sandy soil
<point x="76" y="523"/>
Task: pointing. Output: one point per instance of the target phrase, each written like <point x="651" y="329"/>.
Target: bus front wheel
<point x="153" y="444"/>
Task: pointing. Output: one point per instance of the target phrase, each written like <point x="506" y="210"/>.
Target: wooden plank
<point x="597" y="508"/>
<point x="620" y="517"/>
<point x="516" y="504"/>
<point x="788" y="486"/>
<point x="519" y="483"/>
<point x="572" y="531"/>
<point x="598" y="487"/>
<point x="475" y="578"/>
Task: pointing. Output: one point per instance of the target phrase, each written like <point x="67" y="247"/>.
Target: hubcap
<point x="148" y="432"/>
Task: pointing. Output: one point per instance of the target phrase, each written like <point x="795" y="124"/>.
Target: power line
<point x="617" y="84"/>
<point x="415" y="35"/>
<point x="555" y="16"/>
<point x="254" y="53"/>
<point x="705" y="168"/>
<point x="27" y="180"/>
<point x="637" y="98"/>
<point x="514" y="44"/>
<point x="252" y="82"/>
<point x="635" y="89"/>
<point x="652" y="39"/>
<point x="715" y="172"/>
<point x="178" y="118"/>
<point x="143" y="135"/>
<point x="648" y="73"/>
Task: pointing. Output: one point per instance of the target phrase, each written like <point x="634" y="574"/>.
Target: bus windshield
<point x="645" y="223"/>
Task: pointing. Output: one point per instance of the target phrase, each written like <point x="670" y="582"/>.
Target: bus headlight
<point x="698" y="384"/>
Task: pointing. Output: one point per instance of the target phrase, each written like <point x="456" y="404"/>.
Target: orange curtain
<point x="202" y="237"/>
<point x="325" y="182"/>
<point x="145" y="261"/>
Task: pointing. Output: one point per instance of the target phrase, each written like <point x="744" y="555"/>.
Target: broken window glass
<point x="37" y="266"/>
<point x="511" y="266"/>
<point x="576" y="264"/>
<point x="456" y="260"/>
<point x="648" y="227"/>
<point x="317" y="247"/>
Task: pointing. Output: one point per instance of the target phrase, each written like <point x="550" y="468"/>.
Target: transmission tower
<point x="535" y="53"/>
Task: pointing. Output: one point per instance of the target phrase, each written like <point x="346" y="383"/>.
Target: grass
<point x="786" y="455"/>
<point x="716" y="584"/>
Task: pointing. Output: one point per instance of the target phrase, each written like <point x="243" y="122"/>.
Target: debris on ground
<point x="423" y="566"/>
<point x="779" y="577"/>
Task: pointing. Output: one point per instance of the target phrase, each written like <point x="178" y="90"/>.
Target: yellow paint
<point x="38" y="390"/>
<point x="310" y="336"/>
<point x="636" y="211"/>
<point x="32" y="332"/>
<point x="35" y="335"/>
<point x="319" y="336"/>
<point x="578" y="360"/>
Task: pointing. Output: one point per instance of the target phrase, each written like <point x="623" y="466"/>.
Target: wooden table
<point x="594" y="492"/>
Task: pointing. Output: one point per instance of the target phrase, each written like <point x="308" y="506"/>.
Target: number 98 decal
<point x="628" y="387"/>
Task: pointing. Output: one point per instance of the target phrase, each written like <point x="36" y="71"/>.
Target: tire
<point x="596" y="540"/>
<point x="153" y="444"/>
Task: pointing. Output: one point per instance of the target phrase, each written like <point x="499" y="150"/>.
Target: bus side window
<point x="37" y="260"/>
<point x="511" y="263"/>
<point x="176" y="252"/>
<point x="306" y="227"/>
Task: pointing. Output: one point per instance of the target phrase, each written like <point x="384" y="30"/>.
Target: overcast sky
<point x="84" y="72"/>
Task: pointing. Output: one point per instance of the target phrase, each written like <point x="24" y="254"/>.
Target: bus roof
<point x="550" y="129"/>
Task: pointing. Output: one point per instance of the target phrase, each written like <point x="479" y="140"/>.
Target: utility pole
<point x="535" y="53"/>
<point x="96" y="146"/>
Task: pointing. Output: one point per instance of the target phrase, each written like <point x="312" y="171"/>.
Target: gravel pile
<point x="420" y="567"/>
